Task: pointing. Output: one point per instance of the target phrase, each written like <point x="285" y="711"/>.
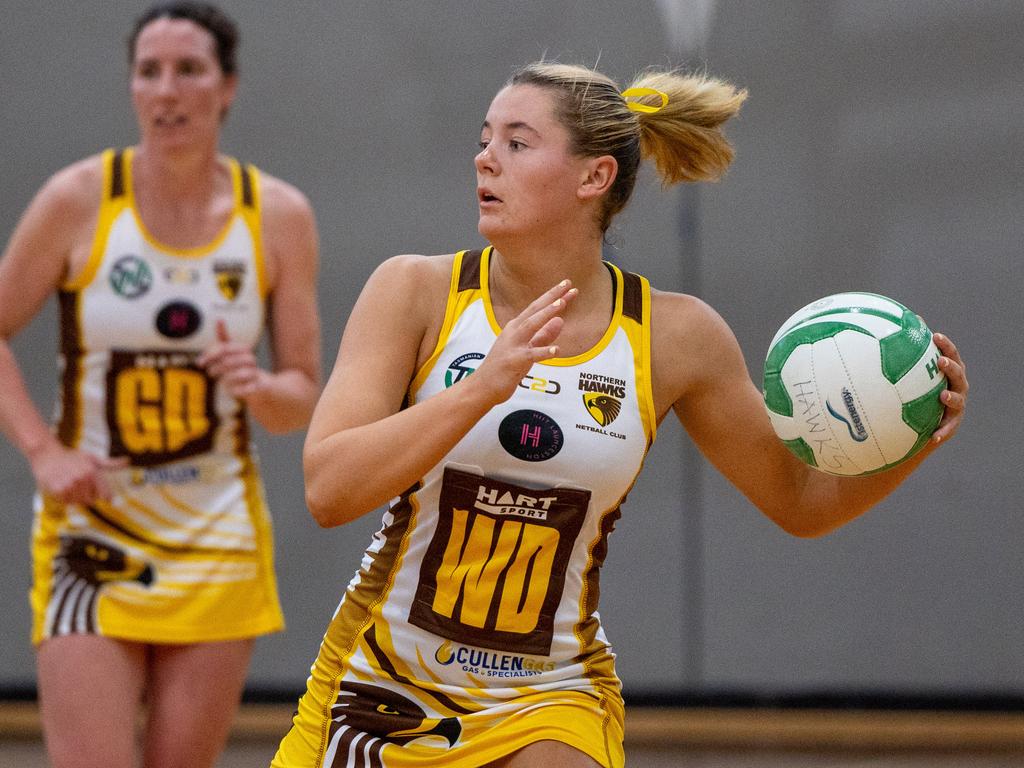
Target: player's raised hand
<point x="526" y="339"/>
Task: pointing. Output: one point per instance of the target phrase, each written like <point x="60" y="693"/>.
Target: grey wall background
<point x="880" y="150"/>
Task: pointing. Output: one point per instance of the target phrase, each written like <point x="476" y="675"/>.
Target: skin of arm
<point x="699" y="372"/>
<point x="280" y="400"/>
<point x="363" y="448"/>
<point x="36" y="261"/>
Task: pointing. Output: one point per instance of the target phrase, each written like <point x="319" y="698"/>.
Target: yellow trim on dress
<point x="583" y="357"/>
<point x="252" y="217"/>
<point x="452" y="310"/>
<point x="109" y="211"/>
<point x="185" y="253"/>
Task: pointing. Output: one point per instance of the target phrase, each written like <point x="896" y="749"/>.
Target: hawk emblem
<point x="230" y="275"/>
<point x="83" y="566"/>
<point x="603" y="408"/>
<point x="366" y="717"/>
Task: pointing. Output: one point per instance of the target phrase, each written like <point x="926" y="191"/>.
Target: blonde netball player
<point x="152" y="546"/>
<point x="515" y="392"/>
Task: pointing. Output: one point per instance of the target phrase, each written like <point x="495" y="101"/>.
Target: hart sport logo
<point x="230" y="276"/>
<point x="854" y="424"/>
<point x="602" y="408"/>
<point x="130" y="277"/>
<point x="461" y="367"/>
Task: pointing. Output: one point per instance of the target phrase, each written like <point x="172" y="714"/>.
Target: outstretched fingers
<point x="539" y="324"/>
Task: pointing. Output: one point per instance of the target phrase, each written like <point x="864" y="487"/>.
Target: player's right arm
<point x="49" y="242"/>
<point x="363" y="448"/>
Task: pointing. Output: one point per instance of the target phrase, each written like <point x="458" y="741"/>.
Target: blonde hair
<point x="683" y="138"/>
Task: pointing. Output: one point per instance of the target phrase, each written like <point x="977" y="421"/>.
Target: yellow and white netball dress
<point x="183" y="552"/>
<point x="471" y="628"/>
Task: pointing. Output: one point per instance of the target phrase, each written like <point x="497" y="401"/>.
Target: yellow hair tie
<point x="636" y="106"/>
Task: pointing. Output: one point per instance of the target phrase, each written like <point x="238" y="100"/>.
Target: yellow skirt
<point x="158" y="566"/>
<point x="380" y="728"/>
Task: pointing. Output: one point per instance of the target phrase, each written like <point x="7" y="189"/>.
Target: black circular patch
<point x="530" y="435"/>
<point x="178" y="319"/>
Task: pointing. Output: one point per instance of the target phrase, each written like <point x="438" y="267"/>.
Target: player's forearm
<point x="284" y="400"/>
<point x="356" y="470"/>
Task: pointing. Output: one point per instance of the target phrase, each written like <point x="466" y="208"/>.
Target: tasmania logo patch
<point x="130" y="277"/>
<point x="461" y="367"/>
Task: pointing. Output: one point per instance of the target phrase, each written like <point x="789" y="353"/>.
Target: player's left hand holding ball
<point x="955" y="395"/>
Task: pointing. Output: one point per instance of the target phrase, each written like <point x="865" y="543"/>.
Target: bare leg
<point x="546" y="753"/>
<point x="89" y="693"/>
<point x="193" y="694"/>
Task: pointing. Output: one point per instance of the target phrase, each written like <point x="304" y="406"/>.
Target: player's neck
<point x="182" y="176"/>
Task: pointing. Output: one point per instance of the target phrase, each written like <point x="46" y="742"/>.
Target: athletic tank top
<point x="483" y="583"/>
<point x="134" y="321"/>
<point x="183" y="551"/>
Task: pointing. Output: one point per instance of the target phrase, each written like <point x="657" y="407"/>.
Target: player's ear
<point x="597" y="176"/>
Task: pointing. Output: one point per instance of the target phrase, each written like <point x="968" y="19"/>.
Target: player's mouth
<point x="170" y="121"/>
<point x="486" y="197"/>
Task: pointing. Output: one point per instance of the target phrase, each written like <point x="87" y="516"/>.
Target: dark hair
<point x="207" y="16"/>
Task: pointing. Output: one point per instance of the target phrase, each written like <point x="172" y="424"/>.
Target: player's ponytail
<point x="683" y="138"/>
<point x="672" y="119"/>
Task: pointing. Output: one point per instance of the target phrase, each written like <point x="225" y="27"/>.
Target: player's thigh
<point x="193" y="694"/>
<point x="549" y="753"/>
<point x="89" y="693"/>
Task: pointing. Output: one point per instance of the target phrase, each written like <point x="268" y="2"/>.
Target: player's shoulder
<point x="414" y="271"/>
<point x="690" y="340"/>
<point x="282" y="198"/>
<point x="678" y="315"/>
<point x="79" y="184"/>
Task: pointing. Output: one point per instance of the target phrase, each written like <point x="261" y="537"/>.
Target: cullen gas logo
<point x="485" y="663"/>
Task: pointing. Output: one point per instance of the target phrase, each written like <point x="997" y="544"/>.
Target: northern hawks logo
<point x="602" y="397"/>
<point x="130" y="277"/>
<point x="230" y="276"/>
<point x="603" y="408"/>
<point x="461" y="367"/>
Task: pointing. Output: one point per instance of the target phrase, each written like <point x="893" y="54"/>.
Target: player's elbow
<point x="325" y="498"/>
<point x="800" y="523"/>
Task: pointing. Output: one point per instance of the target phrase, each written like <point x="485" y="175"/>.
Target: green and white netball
<point x="852" y="384"/>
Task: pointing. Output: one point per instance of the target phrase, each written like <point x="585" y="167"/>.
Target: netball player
<point x="153" y="568"/>
<point x="515" y="394"/>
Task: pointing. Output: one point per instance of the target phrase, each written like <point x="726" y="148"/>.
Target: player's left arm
<point x="699" y="372"/>
<point x="281" y="399"/>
